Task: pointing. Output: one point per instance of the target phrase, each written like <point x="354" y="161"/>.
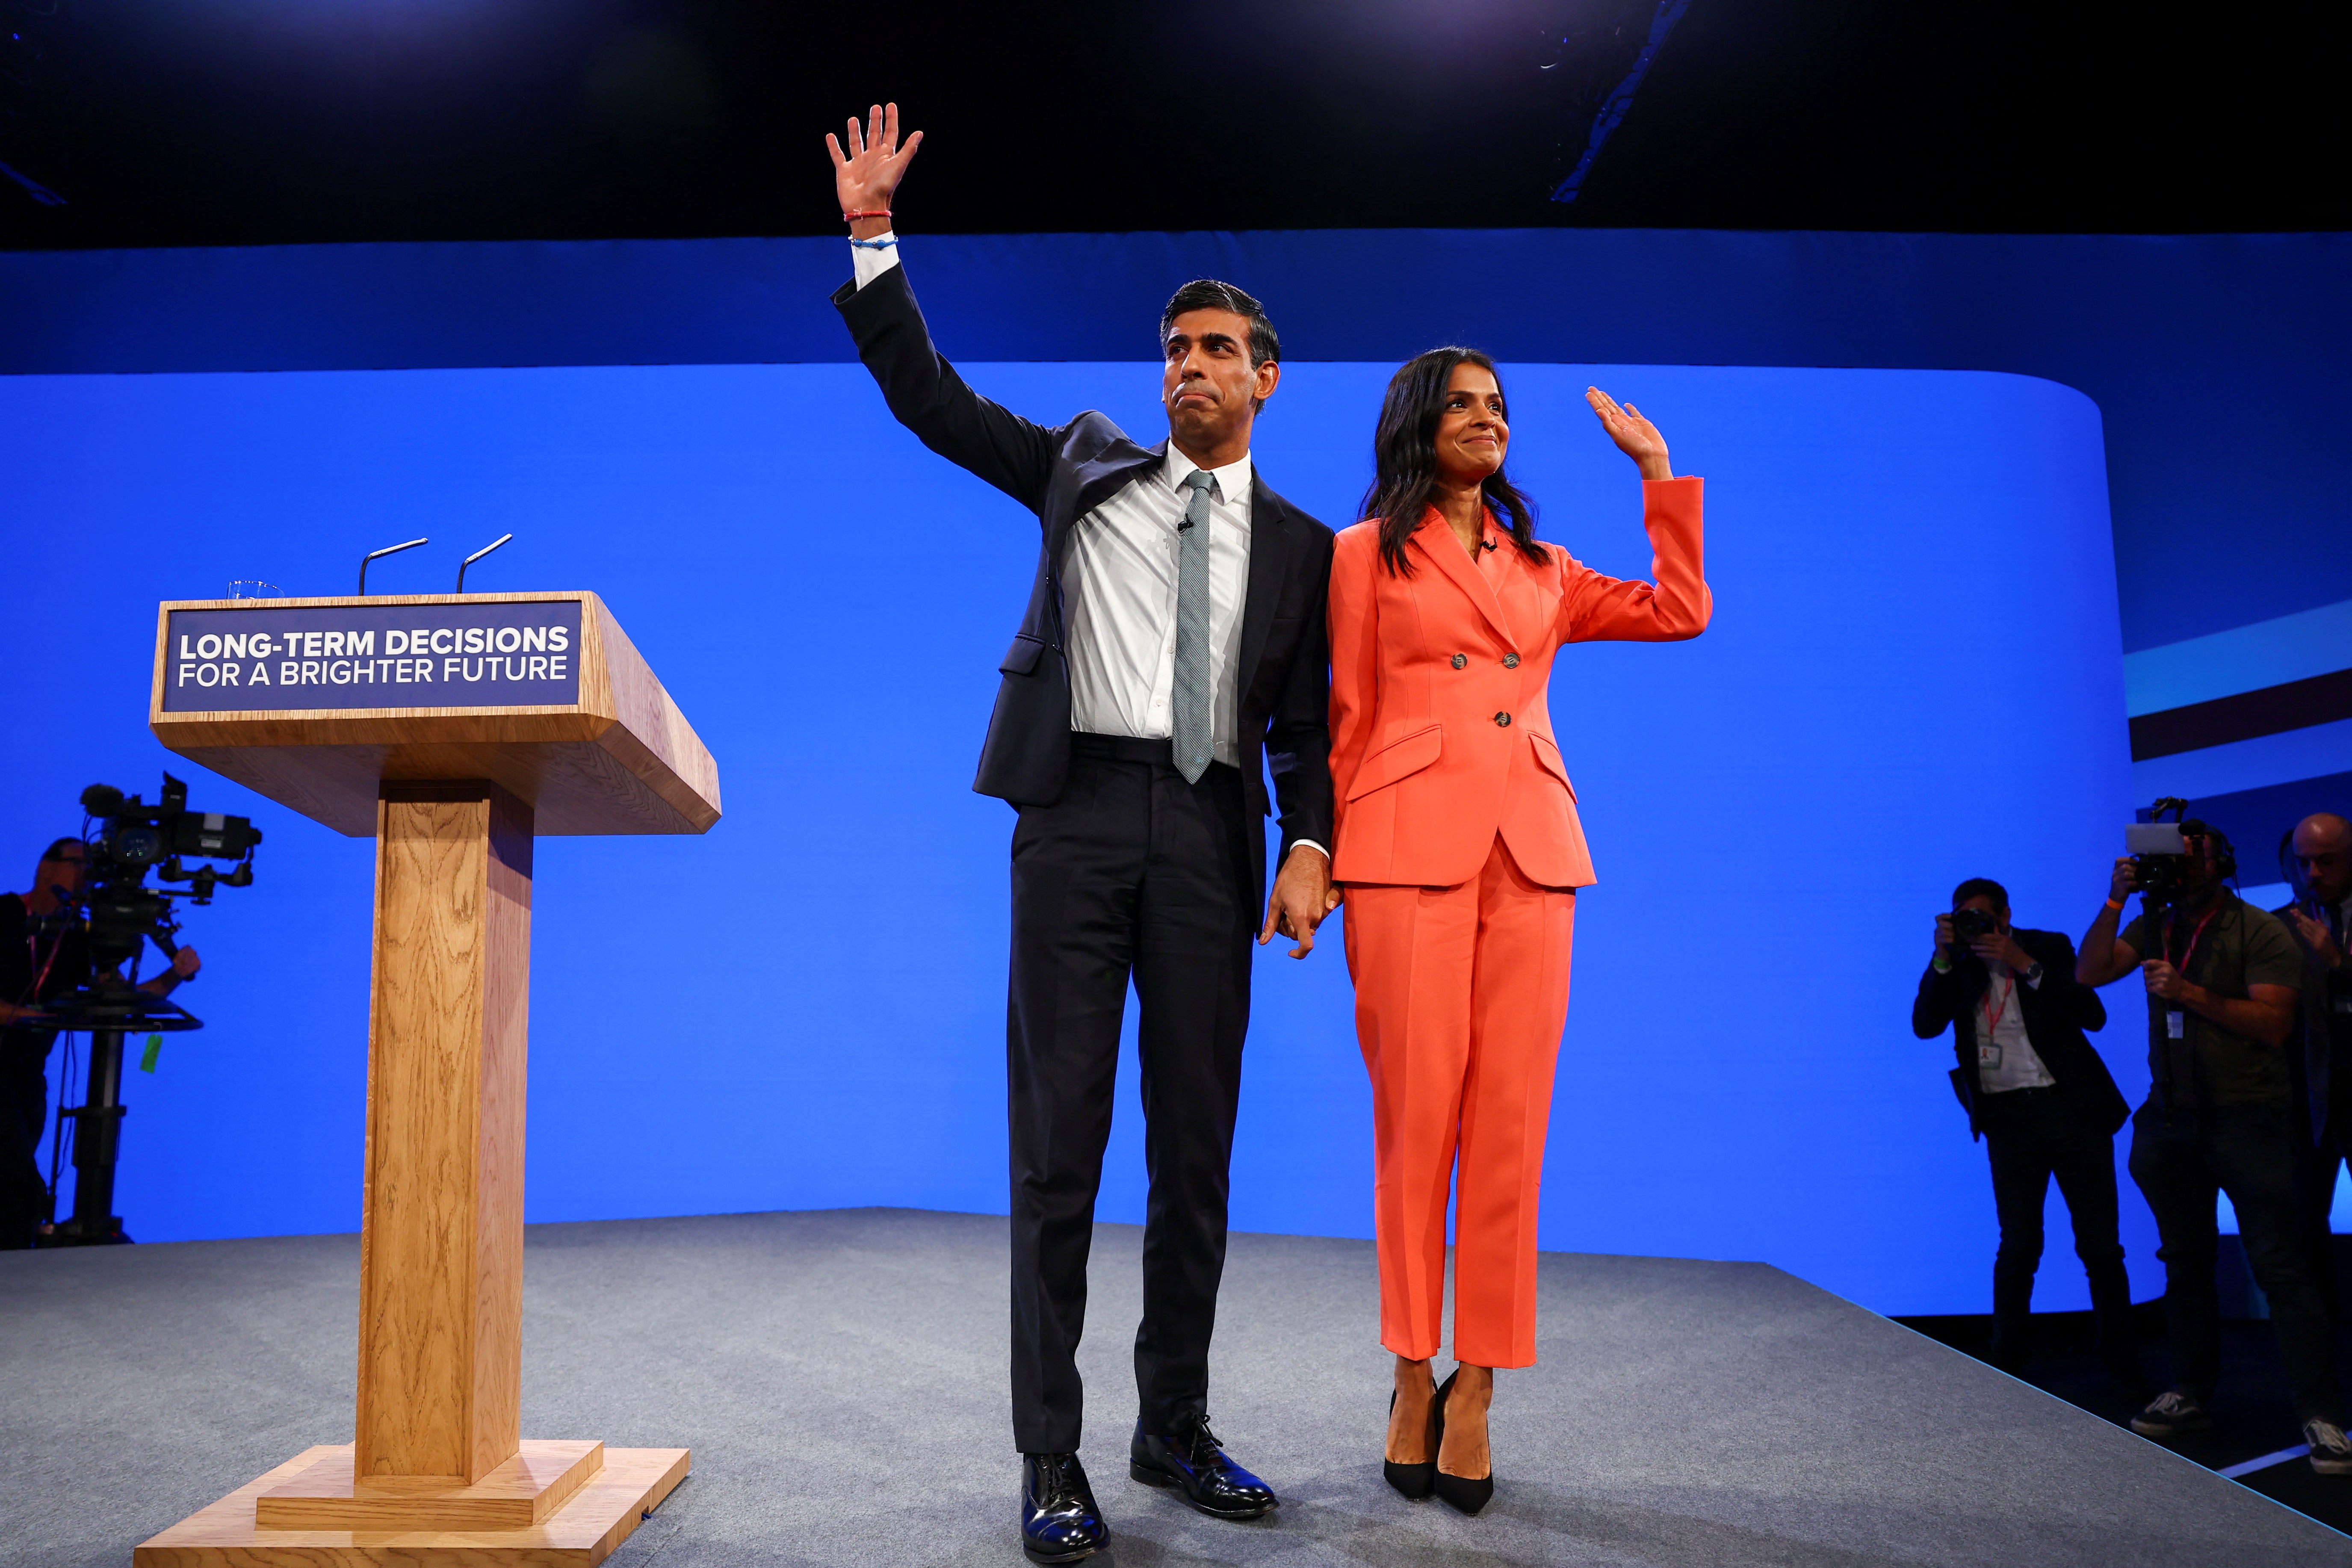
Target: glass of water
<point x="253" y="588"/>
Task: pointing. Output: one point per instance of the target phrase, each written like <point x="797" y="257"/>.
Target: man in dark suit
<point x="1173" y="653"/>
<point x="2320" y="921"/>
<point x="2043" y="1102"/>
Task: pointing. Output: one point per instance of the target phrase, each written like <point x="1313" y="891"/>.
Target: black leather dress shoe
<point x="1191" y="1462"/>
<point x="1059" y="1520"/>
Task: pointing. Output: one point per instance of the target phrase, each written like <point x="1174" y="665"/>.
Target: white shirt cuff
<point x="1311" y="844"/>
<point x="868" y="262"/>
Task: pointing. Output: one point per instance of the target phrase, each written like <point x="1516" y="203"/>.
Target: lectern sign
<point x="361" y="655"/>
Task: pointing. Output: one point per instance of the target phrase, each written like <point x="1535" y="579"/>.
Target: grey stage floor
<point x="840" y="1377"/>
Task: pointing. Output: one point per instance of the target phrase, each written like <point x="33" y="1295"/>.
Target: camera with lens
<point x="125" y="840"/>
<point x="2160" y="850"/>
<point x="1967" y="925"/>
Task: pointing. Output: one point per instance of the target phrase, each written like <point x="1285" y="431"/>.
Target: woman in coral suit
<point x="1458" y="856"/>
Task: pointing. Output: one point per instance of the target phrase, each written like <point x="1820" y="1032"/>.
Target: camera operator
<point x="2222" y="980"/>
<point x="2043" y="1102"/>
<point x="2321" y="921"/>
<point x="36" y="966"/>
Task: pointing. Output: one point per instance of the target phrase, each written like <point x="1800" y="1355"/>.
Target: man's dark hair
<point x="59" y="847"/>
<point x="1208" y="294"/>
<point x="1985" y="885"/>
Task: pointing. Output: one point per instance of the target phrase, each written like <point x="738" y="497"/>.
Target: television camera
<point x="117" y="913"/>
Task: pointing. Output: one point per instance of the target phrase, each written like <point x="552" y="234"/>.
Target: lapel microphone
<point x="1486" y="544"/>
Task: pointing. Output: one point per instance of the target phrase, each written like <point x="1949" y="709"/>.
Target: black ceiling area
<point x="168" y="123"/>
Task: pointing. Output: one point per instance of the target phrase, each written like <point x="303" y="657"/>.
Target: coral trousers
<point x="1461" y="995"/>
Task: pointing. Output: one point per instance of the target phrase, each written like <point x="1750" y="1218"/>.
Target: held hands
<point x="1635" y="436"/>
<point x="2315" y="937"/>
<point x="1303" y="895"/>
<point x="867" y="176"/>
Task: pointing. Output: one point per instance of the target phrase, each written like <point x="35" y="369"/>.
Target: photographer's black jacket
<point x="2056" y="1012"/>
<point x="1283" y="681"/>
<point x="32" y="971"/>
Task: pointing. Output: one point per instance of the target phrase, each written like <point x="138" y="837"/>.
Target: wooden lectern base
<point x="609" y="1490"/>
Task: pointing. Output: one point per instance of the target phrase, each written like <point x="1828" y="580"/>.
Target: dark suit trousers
<point x="1130" y="873"/>
<point x="2315" y="1182"/>
<point x="2032" y="1135"/>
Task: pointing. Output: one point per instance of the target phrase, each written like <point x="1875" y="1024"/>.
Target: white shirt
<point x="1118" y="584"/>
<point x="2018" y="1067"/>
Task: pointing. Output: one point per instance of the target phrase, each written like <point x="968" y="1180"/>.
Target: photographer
<point x="2043" y="1102"/>
<point x="2321" y="921"/>
<point x="2221" y="1116"/>
<point x="35" y="966"/>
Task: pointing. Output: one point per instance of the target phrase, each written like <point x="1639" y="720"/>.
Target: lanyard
<point x="41" y="972"/>
<point x="1993" y="1015"/>
<point x="2194" y="937"/>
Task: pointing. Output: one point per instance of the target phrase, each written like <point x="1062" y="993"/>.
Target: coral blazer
<point x="1441" y="736"/>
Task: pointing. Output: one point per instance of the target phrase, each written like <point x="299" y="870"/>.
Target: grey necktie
<point x="1194" y="682"/>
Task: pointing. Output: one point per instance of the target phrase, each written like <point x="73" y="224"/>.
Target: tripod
<point x="109" y="1009"/>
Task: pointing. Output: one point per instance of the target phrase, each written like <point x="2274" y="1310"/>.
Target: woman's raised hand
<point x="1635" y="436"/>
<point x="866" y="176"/>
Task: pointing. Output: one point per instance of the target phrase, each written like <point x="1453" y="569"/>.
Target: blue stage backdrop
<point x="1914" y="675"/>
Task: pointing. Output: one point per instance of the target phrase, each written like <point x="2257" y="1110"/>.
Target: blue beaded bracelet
<point x="884" y="243"/>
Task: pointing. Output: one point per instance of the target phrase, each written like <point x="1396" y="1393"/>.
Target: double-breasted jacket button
<point x="1504" y="720"/>
<point x="1510" y="661"/>
<point x="1460" y="660"/>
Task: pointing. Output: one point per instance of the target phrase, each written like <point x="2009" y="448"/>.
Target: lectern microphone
<point x="477" y="555"/>
<point x="380" y="554"/>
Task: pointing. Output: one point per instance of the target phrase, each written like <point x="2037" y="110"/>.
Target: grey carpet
<point x="840" y="1377"/>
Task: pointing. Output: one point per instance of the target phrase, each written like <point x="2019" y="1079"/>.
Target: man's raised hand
<point x="866" y="176"/>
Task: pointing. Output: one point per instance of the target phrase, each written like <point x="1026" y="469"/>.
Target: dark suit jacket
<point x="2056" y="1013"/>
<point x="1283" y="683"/>
<point x="2318" y="1077"/>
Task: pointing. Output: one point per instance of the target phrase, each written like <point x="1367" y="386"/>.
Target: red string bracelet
<point x="879" y="212"/>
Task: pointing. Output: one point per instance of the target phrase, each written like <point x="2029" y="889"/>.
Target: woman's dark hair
<point x="1404" y="459"/>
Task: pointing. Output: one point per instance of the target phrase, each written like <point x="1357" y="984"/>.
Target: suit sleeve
<point x="2066" y="997"/>
<point x="1299" y="732"/>
<point x="1355" y="658"/>
<point x="927" y="395"/>
<point x="1933" y="1009"/>
<point x="1598" y="608"/>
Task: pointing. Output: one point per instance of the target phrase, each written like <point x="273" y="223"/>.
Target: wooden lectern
<point x="454" y="729"/>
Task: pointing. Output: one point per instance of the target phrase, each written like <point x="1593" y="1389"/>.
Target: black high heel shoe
<point x="1461" y="1493"/>
<point x="1411" y="1481"/>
